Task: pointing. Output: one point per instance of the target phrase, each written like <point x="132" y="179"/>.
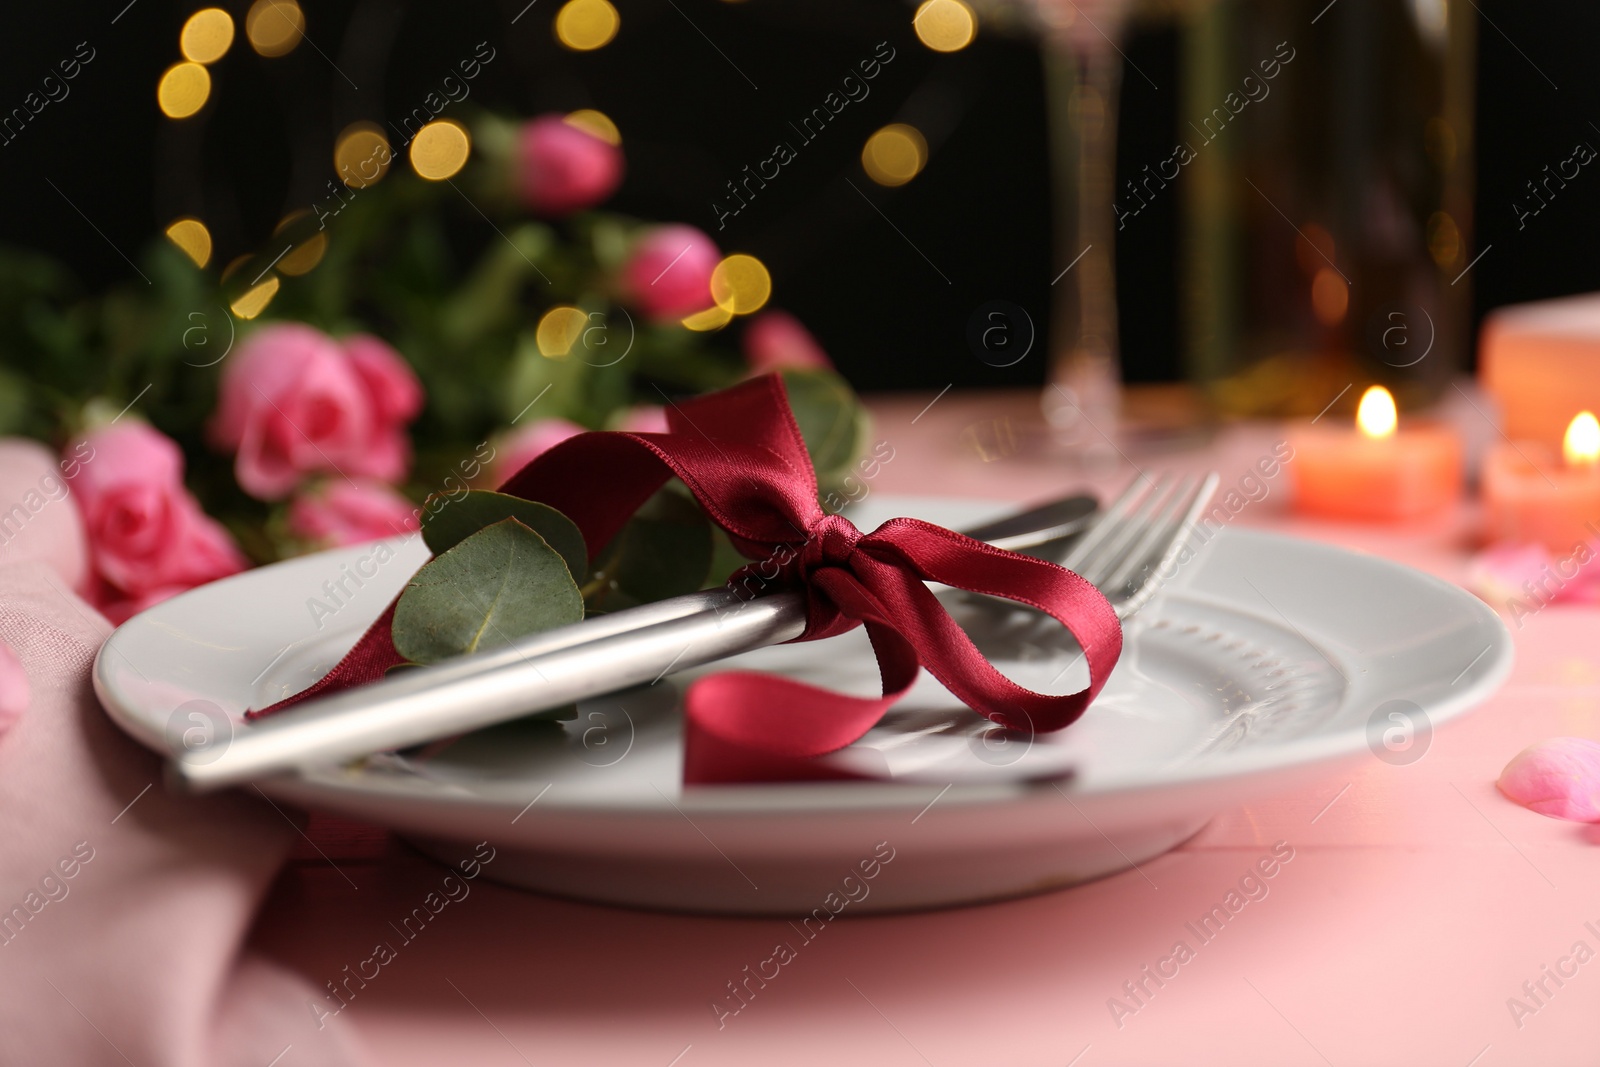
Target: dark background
<point x="886" y="278"/>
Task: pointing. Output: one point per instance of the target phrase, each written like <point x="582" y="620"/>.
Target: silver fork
<point x="1124" y="552"/>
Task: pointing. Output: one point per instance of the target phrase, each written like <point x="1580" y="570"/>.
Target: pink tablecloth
<point x="1417" y="904"/>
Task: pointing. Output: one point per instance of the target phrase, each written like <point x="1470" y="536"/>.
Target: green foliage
<point x="664" y="550"/>
<point x="502" y="583"/>
<point x="447" y="521"/>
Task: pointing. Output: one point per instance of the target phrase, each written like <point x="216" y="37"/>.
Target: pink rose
<point x="14" y="689"/>
<point x="776" y="339"/>
<point x="668" y="275"/>
<point x="1559" y="778"/>
<point x="147" y="535"/>
<point x="295" y="402"/>
<point x="644" y="418"/>
<point x="520" y="447"/>
<point x="561" y="168"/>
<point x="348" y="513"/>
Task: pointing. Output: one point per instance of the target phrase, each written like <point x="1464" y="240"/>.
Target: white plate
<point x="1262" y="657"/>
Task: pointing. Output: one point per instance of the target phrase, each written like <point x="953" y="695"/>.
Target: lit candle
<point x="1534" y="498"/>
<point x="1381" y="471"/>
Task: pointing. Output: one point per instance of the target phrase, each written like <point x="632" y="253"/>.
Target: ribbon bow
<point x="739" y="451"/>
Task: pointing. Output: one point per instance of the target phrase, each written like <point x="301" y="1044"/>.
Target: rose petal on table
<point x="1497" y="573"/>
<point x="14" y="690"/>
<point x="1559" y="778"/>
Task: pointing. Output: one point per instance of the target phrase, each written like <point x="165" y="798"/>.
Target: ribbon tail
<point x="740" y="726"/>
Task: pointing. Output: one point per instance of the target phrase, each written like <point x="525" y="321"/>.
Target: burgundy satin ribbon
<point x="740" y="453"/>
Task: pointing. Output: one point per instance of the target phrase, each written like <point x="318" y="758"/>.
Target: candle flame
<point x="1581" y="446"/>
<point x="1377" y="416"/>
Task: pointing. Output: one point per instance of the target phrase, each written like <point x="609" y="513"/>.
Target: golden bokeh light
<point x="714" y="317"/>
<point x="584" y="25"/>
<point x="1376" y="416"/>
<point x="1330" y="297"/>
<point x="305" y="255"/>
<point x="440" y="149"/>
<point x="274" y="27"/>
<point x="1581" y="445"/>
<point x="895" y="154"/>
<point x="945" y="25"/>
<point x="192" y="238"/>
<point x="596" y="122"/>
<point x="253" y="301"/>
<point x="361" y="155"/>
<point x="207" y="36"/>
<point x="558" y="330"/>
<point x="740" y="284"/>
<point x="1444" y="239"/>
<point x="184" y="89"/>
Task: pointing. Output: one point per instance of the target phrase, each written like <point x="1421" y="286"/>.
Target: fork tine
<point x="1161" y="554"/>
<point x="1129" y="534"/>
<point x="1154" y="537"/>
<point x="1109" y="521"/>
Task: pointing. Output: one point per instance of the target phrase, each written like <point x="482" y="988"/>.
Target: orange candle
<point x="1379" y="471"/>
<point x="1541" y="362"/>
<point x="1534" y="498"/>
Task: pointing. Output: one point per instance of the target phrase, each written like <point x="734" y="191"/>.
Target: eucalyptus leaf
<point x="663" y="551"/>
<point x="832" y="420"/>
<point x="447" y="521"/>
<point x="499" y="584"/>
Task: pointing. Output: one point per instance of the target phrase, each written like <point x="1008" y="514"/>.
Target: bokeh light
<point x="740" y="284"/>
<point x="945" y="25"/>
<point x="275" y="27"/>
<point x="558" y="330"/>
<point x="895" y="154"/>
<point x="253" y="301"/>
<point x="714" y="317"/>
<point x="1330" y="297"/>
<point x="440" y="149"/>
<point x="192" y="237"/>
<point x="361" y="155"/>
<point x="207" y="36"/>
<point x="584" y="25"/>
<point x="1444" y="239"/>
<point x="184" y="89"/>
<point x="597" y="123"/>
<point x="305" y="255"/>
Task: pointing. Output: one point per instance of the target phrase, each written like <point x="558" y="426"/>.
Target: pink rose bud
<point x="348" y="513"/>
<point x="519" y="448"/>
<point x="295" y="402"/>
<point x="775" y="339"/>
<point x="1559" y="778"/>
<point x="644" y="418"/>
<point x="561" y="168"/>
<point x="145" y="531"/>
<point x="14" y="690"/>
<point x="668" y="275"/>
